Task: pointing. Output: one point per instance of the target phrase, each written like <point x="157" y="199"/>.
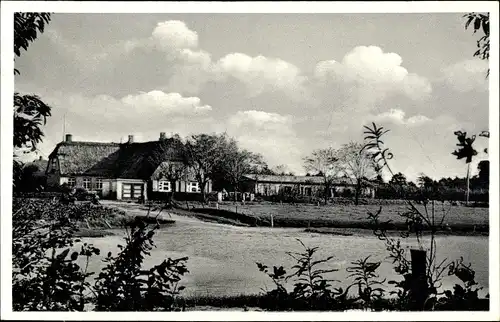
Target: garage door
<point x="131" y="191"/>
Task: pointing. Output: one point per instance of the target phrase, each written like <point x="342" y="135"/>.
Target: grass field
<point x="458" y="218"/>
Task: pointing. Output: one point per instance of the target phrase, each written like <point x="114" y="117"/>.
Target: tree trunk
<point x="357" y="192"/>
<point x="173" y="184"/>
<point x="327" y="193"/>
<point x="467" y="191"/>
<point x="202" y="184"/>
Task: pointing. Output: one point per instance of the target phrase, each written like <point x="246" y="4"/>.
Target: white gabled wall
<point x="118" y="190"/>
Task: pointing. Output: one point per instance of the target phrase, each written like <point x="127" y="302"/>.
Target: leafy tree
<point x="325" y="163"/>
<point x="170" y="170"/>
<point x="467" y="151"/>
<point x="30" y="112"/>
<point x="237" y="163"/>
<point x="398" y="179"/>
<point x="29" y="180"/>
<point x="484" y="171"/>
<point x="204" y="154"/>
<point x="480" y="22"/>
<point x="357" y="164"/>
<point x="425" y="182"/>
<point x="27" y="25"/>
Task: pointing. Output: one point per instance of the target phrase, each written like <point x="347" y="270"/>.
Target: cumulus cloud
<point x="174" y="34"/>
<point x="260" y="99"/>
<point x="374" y="71"/>
<point x="260" y="119"/>
<point x="467" y="75"/>
<point x="133" y="111"/>
<point x="270" y="134"/>
<point x="261" y="73"/>
<point x="106" y="118"/>
<point x="165" y="102"/>
<point x="398" y="117"/>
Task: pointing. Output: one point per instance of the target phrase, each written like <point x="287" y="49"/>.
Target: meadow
<point x="448" y="217"/>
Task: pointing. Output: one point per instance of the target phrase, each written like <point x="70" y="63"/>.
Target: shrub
<point x="311" y="290"/>
<point x="46" y="275"/>
<point x="123" y="285"/>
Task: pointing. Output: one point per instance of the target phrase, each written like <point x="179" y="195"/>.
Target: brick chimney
<point x="130" y="139"/>
<point x="69" y="138"/>
<point x="163" y="136"/>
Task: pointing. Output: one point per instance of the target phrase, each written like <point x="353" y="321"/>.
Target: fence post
<point x="419" y="287"/>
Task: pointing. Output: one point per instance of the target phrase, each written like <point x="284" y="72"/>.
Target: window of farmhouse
<point x="193" y="187"/>
<point x="87" y="183"/>
<point x="164" y="186"/>
<point x="71" y="182"/>
<point x="98" y="184"/>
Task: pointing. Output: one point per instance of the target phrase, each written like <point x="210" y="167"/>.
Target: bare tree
<point x="357" y="164"/>
<point x="239" y="162"/>
<point x="324" y="162"/>
<point x="204" y="153"/>
<point x="280" y="170"/>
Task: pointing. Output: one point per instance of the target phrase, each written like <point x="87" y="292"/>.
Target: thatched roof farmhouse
<point x="118" y="170"/>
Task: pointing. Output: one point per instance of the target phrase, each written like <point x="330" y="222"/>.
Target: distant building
<point x="33" y="177"/>
<point x="271" y="185"/>
<point x="120" y="170"/>
<point x="41" y="166"/>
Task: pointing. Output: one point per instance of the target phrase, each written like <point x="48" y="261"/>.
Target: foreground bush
<point x="81" y="214"/>
<point x="46" y="275"/>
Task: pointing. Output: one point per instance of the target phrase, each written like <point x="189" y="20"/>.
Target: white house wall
<point x="118" y="190"/>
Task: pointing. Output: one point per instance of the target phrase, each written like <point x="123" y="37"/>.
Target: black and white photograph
<point x="236" y="160"/>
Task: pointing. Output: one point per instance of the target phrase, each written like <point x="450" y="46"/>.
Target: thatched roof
<point x="114" y="160"/>
<point x="75" y="158"/>
<point x="140" y="160"/>
<point x="292" y="179"/>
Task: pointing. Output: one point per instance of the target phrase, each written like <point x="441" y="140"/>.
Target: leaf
<point x="477" y="24"/>
<point x="62" y="255"/>
<point x="468" y="21"/>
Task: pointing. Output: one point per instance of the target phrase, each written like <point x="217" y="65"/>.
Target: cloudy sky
<point x="282" y="84"/>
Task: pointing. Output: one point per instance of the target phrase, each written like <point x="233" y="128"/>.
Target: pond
<point x="222" y="258"/>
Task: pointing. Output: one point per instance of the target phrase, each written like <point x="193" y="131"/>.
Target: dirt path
<point x="183" y="216"/>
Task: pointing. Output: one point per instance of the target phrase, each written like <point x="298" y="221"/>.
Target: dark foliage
<point x="47" y="274"/>
<point x="123" y="285"/>
<point x="480" y="22"/>
<point x="44" y="276"/>
<point x="465" y="147"/>
<point x="311" y="289"/>
<point x="27" y="25"/>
